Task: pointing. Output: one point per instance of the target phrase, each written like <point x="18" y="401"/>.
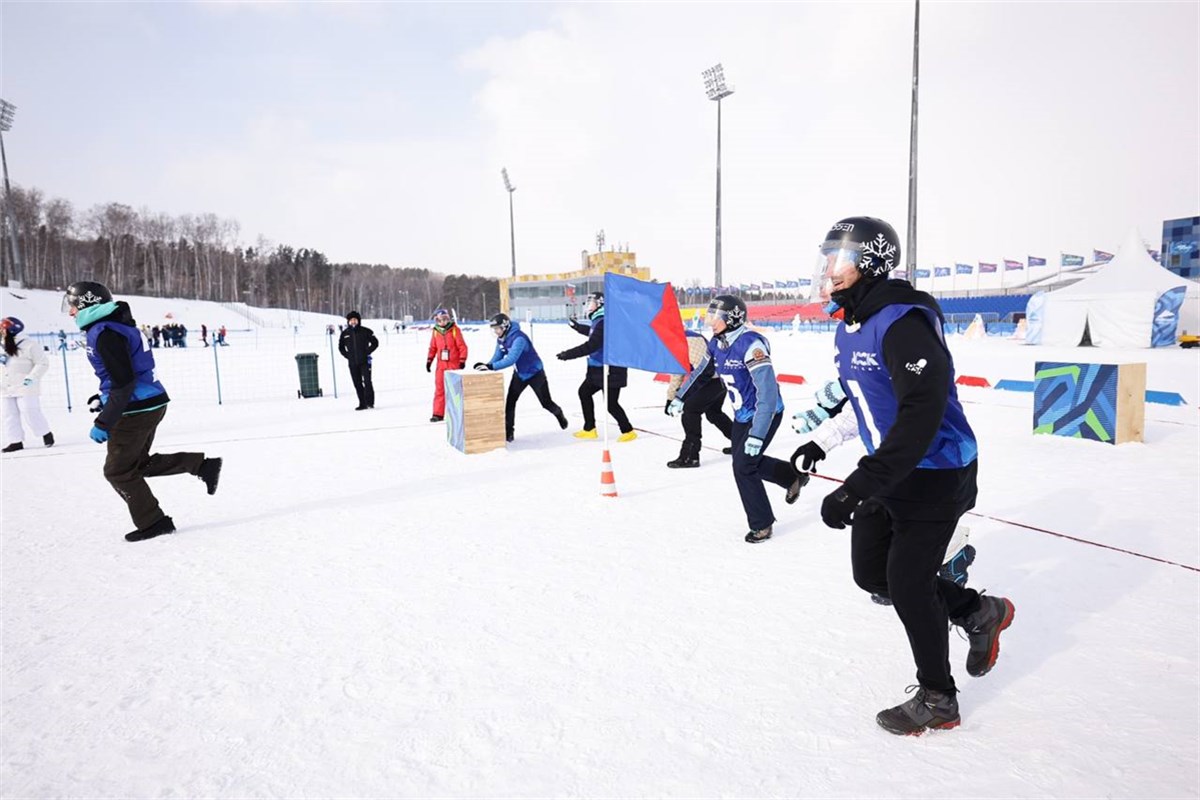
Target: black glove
<point x="481" y="367"/>
<point x="667" y="407"/>
<point x="95" y="404"/>
<point x="812" y="453"/>
<point x="429" y="365"/>
<point x="562" y="356"/>
<point x="837" y="509"/>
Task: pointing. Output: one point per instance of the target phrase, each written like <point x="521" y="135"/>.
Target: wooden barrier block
<point x="1104" y="402"/>
<point x="474" y="410"/>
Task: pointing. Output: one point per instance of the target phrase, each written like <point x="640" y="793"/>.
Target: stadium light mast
<point x="911" y="244"/>
<point x="17" y="276"/>
<point x="512" y="231"/>
<point x="714" y="86"/>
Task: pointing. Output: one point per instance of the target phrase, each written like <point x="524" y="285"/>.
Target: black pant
<point x="749" y="472"/>
<point x="900" y="558"/>
<point x="360" y="376"/>
<point x="586" y="390"/>
<point x="541" y="388"/>
<point x="706" y="400"/>
<point x="129" y="463"/>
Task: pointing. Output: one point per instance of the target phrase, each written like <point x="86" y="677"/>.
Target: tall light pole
<point x="512" y="231"/>
<point x="911" y="245"/>
<point x="714" y="85"/>
<point x="17" y="276"/>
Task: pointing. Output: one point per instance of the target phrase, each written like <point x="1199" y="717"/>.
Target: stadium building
<point x="557" y="295"/>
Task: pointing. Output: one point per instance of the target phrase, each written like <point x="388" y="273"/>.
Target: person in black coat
<point x="593" y="381"/>
<point x="356" y="344"/>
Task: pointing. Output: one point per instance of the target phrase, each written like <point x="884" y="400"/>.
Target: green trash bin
<point x="310" y="384"/>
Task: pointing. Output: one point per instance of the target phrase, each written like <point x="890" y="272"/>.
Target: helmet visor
<point x="68" y="302"/>
<point x="835" y="263"/>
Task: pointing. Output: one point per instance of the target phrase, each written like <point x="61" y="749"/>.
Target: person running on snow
<point x="593" y="380"/>
<point x="514" y="349"/>
<point x="829" y="427"/>
<point x="131" y="404"/>
<point x="22" y="365"/>
<point x="707" y="399"/>
<point x="742" y="358"/>
<point x="448" y="348"/>
<point x="906" y="496"/>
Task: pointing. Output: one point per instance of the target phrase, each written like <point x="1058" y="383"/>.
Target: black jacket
<point x="357" y="343"/>
<point x="617" y="376"/>
<point x="890" y="474"/>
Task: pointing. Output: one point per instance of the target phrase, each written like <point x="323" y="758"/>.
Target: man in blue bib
<point x="904" y="499"/>
<point x="742" y="360"/>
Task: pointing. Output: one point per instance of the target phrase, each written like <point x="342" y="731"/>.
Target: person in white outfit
<point x="22" y="365"/>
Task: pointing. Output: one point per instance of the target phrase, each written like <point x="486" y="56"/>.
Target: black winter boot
<point x="48" y="440"/>
<point x="983" y="632"/>
<point x="210" y="473"/>
<point x="14" y="447"/>
<point x="928" y="710"/>
<point x="754" y="537"/>
<point x="164" y="525"/>
<point x="793" y="491"/>
<point x="561" y="417"/>
<point x="689" y="456"/>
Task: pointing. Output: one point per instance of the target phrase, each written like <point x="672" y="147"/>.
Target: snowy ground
<point x="362" y="611"/>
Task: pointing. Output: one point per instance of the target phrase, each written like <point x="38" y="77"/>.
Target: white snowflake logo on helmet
<point x="876" y="251"/>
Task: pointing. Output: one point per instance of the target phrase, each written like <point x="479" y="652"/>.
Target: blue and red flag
<point x="642" y="326"/>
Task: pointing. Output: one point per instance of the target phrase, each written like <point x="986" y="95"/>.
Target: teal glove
<point x="98" y="435"/>
<point x="754" y="446"/>
<point x="27" y="382"/>
<point x="675" y="408"/>
<point x="804" y="422"/>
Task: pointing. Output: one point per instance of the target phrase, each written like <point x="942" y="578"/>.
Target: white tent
<point x="1116" y="306"/>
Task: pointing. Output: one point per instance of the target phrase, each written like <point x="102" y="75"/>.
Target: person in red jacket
<point x="448" y="348"/>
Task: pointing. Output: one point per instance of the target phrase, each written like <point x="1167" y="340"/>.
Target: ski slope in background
<point x="362" y="611"/>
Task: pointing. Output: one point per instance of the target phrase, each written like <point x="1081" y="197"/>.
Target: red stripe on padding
<point x="791" y="379"/>
<point x="972" y="380"/>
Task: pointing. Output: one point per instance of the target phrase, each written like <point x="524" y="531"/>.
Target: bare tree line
<point x="143" y="252"/>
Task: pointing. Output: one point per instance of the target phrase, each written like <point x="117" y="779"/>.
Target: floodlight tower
<point x="512" y="233"/>
<point x="17" y="276"/>
<point x="714" y="85"/>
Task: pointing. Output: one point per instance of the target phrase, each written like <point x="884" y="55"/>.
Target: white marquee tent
<point x="1116" y="305"/>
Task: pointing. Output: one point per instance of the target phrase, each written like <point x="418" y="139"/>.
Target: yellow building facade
<point x="557" y="295"/>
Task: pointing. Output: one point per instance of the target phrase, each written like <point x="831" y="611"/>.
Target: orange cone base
<point x="608" y="482"/>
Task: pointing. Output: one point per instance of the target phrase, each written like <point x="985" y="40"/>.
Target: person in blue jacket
<point x="130" y="405"/>
<point x="742" y="359"/>
<point x="593" y="380"/>
<point x="514" y="349"/>
<point x="904" y="499"/>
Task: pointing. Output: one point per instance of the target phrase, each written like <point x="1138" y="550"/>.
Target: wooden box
<point x="474" y="410"/>
<point x="1104" y="402"/>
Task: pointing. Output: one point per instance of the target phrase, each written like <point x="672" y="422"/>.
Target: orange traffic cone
<point x="608" y="482"/>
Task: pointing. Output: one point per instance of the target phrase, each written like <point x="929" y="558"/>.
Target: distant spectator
<point x="356" y="345"/>
<point x="22" y="365"/>
<point x="204" y="334"/>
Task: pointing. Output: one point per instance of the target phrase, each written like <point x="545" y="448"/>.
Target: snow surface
<point x="362" y="611"/>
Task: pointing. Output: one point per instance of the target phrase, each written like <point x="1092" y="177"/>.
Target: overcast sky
<point x="376" y="133"/>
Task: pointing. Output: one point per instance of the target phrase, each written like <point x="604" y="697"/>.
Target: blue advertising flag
<point x="984" y="267"/>
<point x="1010" y="264"/>
<point x="964" y="269"/>
<point x="941" y="272"/>
<point x="768" y="285"/>
<point x="1157" y="256"/>
<point x="642" y="326"/>
<point x="921" y="273"/>
<point x="793" y="284"/>
<point x="1069" y="260"/>
<point x="805" y="281"/>
<point x="1101" y="257"/>
<point x="899" y="274"/>
<point x="744" y="287"/>
<point x="1034" y="261"/>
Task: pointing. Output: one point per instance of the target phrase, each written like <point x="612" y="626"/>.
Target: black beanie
<point x="353" y="315"/>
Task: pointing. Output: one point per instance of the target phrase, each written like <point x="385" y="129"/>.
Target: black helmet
<point x="84" y="294"/>
<point x="729" y="308"/>
<point x="598" y="297"/>
<point x="500" y="324"/>
<point x="874" y="240"/>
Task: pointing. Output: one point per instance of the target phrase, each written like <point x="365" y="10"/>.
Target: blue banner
<point x="805" y="281"/>
<point x="1069" y="260"/>
<point x="1101" y="257"/>
<point x="642" y="326"/>
<point x="1034" y="261"/>
<point x="793" y="284"/>
<point x="1166" y="317"/>
<point x="965" y="269"/>
<point x="985" y="267"/>
<point x="768" y="285"/>
<point x="921" y="273"/>
<point x="941" y="272"/>
<point x="1009" y="264"/>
